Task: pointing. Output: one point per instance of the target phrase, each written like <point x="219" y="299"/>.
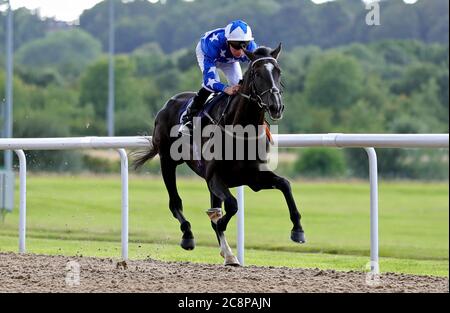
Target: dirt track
<point x="39" y="273"/>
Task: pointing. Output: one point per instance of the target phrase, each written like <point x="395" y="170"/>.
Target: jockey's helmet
<point x="238" y="31"/>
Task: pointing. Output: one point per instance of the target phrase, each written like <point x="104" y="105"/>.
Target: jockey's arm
<point x="209" y="76"/>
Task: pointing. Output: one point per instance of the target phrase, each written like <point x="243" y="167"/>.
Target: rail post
<point x="124" y="176"/>
<point x="23" y="199"/>
<point x="373" y="177"/>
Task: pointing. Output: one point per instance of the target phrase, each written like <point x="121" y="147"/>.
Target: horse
<point x="260" y="93"/>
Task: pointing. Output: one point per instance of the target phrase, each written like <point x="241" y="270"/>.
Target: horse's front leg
<point x="225" y="251"/>
<point x="220" y="190"/>
<point x="269" y="180"/>
<point x="219" y="223"/>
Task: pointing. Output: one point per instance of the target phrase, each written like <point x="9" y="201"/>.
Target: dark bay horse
<point x="260" y="93"/>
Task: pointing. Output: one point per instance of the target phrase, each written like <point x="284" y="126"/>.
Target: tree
<point x="129" y="96"/>
<point x="69" y="52"/>
<point x="28" y="26"/>
<point x="150" y="60"/>
<point x="320" y="162"/>
<point x="415" y="76"/>
<point x="140" y="28"/>
<point x="335" y="81"/>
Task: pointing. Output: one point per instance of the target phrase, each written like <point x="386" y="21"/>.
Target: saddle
<point x="213" y="100"/>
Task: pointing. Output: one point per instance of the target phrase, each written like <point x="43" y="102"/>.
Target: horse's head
<point x="264" y="79"/>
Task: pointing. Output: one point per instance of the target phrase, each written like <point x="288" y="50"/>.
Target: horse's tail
<point x="139" y="157"/>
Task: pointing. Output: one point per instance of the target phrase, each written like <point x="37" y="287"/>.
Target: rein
<point x="254" y="97"/>
<point x="217" y="124"/>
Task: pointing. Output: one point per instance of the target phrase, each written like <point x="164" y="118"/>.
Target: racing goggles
<point x="238" y="45"/>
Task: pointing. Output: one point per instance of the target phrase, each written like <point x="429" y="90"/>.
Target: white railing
<point x="366" y="141"/>
<point x="70" y="143"/>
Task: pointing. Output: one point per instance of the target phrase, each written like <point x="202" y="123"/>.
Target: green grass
<point x="204" y="254"/>
<point x="80" y="214"/>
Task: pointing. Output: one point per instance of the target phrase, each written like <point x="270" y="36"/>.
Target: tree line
<point x="177" y="24"/>
<point x="385" y="86"/>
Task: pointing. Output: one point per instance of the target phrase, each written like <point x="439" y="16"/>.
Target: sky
<point x="62" y="10"/>
<point x="70" y="10"/>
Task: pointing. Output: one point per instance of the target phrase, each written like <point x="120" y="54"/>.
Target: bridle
<point x="254" y="96"/>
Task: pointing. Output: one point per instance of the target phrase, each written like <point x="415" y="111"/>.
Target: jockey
<point x="223" y="49"/>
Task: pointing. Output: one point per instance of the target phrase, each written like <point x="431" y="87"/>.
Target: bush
<point x="53" y="161"/>
<point x="100" y="165"/>
<point x="320" y="162"/>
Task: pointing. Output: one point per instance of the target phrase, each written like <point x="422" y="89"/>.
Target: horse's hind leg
<point x="168" y="168"/>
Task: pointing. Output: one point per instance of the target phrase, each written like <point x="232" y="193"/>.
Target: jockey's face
<point x="237" y="53"/>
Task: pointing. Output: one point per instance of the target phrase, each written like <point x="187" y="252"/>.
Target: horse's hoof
<point x="231" y="261"/>
<point x="187" y="244"/>
<point x="298" y="236"/>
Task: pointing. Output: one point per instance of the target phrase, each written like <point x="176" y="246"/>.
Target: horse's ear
<point x="250" y="55"/>
<point x="276" y="53"/>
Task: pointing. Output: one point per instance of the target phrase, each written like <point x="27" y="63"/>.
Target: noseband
<point x="254" y="96"/>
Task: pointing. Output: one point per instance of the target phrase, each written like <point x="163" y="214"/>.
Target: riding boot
<point x="193" y="109"/>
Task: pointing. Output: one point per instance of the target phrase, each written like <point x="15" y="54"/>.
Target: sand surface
<point x="42" y="273"/>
